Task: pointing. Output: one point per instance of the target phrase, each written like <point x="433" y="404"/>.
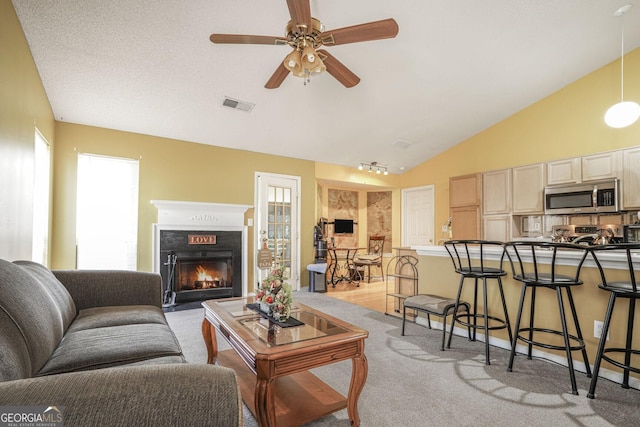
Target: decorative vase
<point x="265" y="308"/>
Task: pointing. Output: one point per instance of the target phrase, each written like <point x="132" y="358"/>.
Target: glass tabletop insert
<point x="313" y="326"/>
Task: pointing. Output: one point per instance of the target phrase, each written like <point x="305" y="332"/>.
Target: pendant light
<point x="624" y="113"/>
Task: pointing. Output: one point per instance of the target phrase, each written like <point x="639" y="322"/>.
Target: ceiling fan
<point x="305" y="35"/>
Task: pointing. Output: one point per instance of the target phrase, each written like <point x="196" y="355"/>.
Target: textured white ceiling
<point x="455" y="68"/>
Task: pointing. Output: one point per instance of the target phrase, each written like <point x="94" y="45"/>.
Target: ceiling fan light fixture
<point x="292" y="61"/>
<point x="309" y="54"/>
<point x="320" y="67"/>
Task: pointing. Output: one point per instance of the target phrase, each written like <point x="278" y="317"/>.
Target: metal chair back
<point x="469" y="257"/>
<point x="526" y="266"/>
<point x="631" y="252"/>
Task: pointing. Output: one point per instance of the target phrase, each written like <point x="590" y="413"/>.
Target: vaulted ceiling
<point x="454" y="69"/>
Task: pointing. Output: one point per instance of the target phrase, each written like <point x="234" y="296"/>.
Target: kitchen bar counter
<point x="437" y="276"/>
<point x="617" y="262"/>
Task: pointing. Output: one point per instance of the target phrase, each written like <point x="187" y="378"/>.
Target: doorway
<point x="277" y="218"/>
<point x="418" y="216"/>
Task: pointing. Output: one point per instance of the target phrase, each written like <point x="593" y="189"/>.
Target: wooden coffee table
<point x="273" y="363"/>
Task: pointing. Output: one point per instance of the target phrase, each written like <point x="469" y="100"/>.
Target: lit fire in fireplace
<point x="205" y="280"/>
<point x="203" y="275"/>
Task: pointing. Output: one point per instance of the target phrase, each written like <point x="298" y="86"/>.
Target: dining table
<point x="341" y="266"/>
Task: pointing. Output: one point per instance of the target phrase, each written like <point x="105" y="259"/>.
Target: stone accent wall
<point x="379" y="217"/>
<point x="343" y="204"/>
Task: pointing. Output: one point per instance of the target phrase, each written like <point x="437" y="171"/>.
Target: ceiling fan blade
<point x="300" y="11"/>
<point x="338" y="70"/>
<point x="277" y="78"/>
<point x="385" y="29"/>
<point x="246" y="39"/>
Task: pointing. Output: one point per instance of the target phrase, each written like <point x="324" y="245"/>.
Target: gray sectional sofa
<point x="97" y="344"/>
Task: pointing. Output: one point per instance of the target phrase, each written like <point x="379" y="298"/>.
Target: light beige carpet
<point x="412" y="383"/>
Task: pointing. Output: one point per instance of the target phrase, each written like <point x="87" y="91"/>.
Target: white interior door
<point x="277" y="223"/>
<point x="418" y="216"/>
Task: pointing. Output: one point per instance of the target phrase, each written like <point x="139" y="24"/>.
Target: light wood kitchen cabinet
<point x="497" y="227"/>
<point x="465" y="190"/>
<point x="631" y="179"/>
<point x="465" y="222"/>
<point x="601" y="166"/>
<point x="586" y="168"/>
<point x="496" y="192"/>
<point x="564" y="171"/>
<point x="528" y="189"/>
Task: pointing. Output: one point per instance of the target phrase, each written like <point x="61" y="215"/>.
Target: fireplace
<point x="200" y="250"/>
<point x="201" y="264"/>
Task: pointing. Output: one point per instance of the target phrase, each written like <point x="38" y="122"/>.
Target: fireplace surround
<point x="201" y="264"/>
<point x="200" y="250"/>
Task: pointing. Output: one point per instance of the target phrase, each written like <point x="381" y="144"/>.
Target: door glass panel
<point x="278" y="227"/>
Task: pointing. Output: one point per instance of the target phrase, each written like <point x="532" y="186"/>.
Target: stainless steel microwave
<point x="587" y="197"/>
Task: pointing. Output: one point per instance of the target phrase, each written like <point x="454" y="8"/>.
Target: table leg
<point x="359" y="372"/>
<point x="264" y="403"/>
<point x="210" y="340"/>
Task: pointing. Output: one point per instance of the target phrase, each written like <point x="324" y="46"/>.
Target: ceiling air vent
<point x="401" y="144"/>
<point x="238" y="105"/>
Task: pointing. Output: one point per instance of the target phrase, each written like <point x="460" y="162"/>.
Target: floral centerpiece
<point x="274" y="295"/>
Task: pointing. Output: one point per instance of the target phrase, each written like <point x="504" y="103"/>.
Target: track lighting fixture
<point x="374" y="167"/>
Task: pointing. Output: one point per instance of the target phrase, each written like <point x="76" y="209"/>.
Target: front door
<point x="277" y="222"/>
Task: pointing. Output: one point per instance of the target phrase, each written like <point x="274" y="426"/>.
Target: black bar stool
<point x="527" y="267"/>
<point x="625" y="288"/>
<point x="469" y="259"/>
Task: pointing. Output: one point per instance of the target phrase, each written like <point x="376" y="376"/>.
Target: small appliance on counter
<point x="632" y="233"/>
<point x="602" y="234"/>
<point x="319" y="243"/>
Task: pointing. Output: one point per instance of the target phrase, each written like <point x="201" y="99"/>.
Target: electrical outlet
<point x="597" y="329"/>
<point x="445" y="228"/>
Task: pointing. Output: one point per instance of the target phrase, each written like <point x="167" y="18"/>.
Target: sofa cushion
<point x="111" y="346"/>
<point x="36" y="311"/>
<point x="157" y="395"/>
<point x="100" y="317"/>
<point x="59" y="294"/>
<point x="15" y="363"/>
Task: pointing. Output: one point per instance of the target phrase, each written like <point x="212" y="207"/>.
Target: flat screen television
<point x="343" y="226"/>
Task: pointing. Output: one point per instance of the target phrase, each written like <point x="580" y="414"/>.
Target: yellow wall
<point x="23" y="108"/>
<point x="170" y="170"/>
<point x="568" y="123"/>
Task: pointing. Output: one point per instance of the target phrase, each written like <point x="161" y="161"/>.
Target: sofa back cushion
<point x="60" y="297"/>
<point x="36" y="311"/>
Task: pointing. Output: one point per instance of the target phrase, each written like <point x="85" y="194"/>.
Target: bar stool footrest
<point x="620" y="364"/>
<point x="481" y="316"/>
<point x="580" y="343"/>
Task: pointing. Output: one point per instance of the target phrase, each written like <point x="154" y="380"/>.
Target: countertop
<point x="614" y="261"/>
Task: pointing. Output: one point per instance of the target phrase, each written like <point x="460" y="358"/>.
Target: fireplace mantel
<point x="192" y="213"/>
